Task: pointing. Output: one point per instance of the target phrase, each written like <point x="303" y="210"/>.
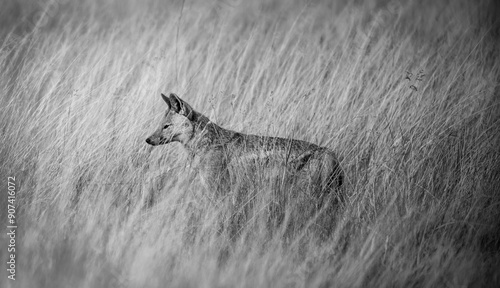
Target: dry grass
<point x="80" y="93"/>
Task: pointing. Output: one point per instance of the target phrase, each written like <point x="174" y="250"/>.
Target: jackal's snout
<point x="155" y="139"/>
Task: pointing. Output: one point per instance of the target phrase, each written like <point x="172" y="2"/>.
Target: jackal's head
<point x="177" y="123"/>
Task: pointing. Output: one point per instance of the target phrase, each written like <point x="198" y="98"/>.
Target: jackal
<point x="222" y="156"/>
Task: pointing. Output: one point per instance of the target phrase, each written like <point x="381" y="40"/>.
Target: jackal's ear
<point x="165" y="98"/>
<point x="181" y="107"/>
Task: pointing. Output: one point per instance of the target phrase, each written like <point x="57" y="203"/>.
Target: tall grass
<point x="80" y="94"/>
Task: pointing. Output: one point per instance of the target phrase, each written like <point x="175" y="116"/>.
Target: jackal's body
<point x="221" y="155"/>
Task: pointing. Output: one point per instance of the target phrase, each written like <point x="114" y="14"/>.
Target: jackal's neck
<point x="206" y="136"/>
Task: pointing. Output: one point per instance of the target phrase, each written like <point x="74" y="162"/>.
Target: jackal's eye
<point x="166" y="126"/>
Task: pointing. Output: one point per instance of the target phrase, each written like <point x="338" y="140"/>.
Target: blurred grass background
<point x="406" y="92"/>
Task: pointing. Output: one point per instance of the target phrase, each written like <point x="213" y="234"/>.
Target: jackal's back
<point x="227" y="153"/>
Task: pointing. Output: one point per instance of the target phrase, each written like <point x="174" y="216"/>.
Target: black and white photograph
<point x="249" y="143"/>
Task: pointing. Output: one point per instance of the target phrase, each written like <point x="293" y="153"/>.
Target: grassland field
<point x="405" y="92"/>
